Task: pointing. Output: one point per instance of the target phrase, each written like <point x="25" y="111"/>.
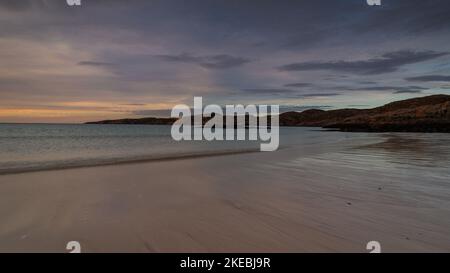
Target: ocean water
<point x="28" y="147"/>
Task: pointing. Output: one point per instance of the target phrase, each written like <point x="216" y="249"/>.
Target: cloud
<point x="220" y="61"/>
<point x="320" y="95"/>
<point x="403" y="89"/>
<point x="109" y="50"/>
<point x="290" y="93"/>
<point x="429" y="78"/>
<point x="268" y="91"/>
<point x="367" y="82"/>
<point x="407" y="92"/>
<point x="393" y="89"/>
<point x="300" y="84"/>
<point x="133" y="104"/>
<point x="153" y="113"/>
<point x="94" y="63"/>
<point x="15" y="5"/>
<point x="409" y="16"/>
<point x="386" y="63"/>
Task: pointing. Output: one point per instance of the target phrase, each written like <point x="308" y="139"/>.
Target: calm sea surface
<point x="45" y="146"/>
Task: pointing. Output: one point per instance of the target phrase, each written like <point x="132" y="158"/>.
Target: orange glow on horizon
<point x="75" y="112"/>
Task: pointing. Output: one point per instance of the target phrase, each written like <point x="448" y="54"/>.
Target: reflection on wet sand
<point x="429" y="149"/>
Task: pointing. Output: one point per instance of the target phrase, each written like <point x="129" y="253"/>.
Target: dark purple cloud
<point x="386" y="63"/>
<point x="219" y="61"/>
<point x="429" y="78"/>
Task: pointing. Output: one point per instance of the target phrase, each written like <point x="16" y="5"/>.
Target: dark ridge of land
<point x="147" y="121"/>
<point x="424" y="114"/>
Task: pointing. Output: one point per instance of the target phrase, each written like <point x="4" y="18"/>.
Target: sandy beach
<point x="227" y="203"/>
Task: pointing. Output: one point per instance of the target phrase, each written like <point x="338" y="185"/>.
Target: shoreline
<point x="113" y="162"/>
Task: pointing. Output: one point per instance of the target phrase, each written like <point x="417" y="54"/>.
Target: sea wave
<point x="82" y="163"/>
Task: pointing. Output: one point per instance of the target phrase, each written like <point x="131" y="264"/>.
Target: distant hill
<point x="425" y="114"/>
<point x="148" y="121"/>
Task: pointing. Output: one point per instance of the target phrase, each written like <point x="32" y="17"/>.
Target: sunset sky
<point x="114" y="59"/>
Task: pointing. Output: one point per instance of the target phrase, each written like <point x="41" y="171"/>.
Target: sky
<point x="110" y="59"/>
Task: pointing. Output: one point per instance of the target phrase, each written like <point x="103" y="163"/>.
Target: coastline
<point x="429" y="114"/>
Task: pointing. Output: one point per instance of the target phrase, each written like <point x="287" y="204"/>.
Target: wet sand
<point x="256" y="202"/>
